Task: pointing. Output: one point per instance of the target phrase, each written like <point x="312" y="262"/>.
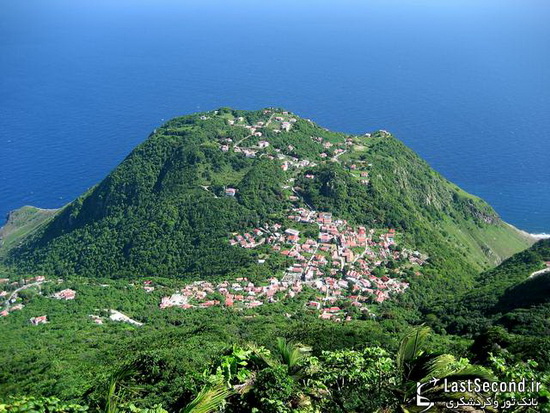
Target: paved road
<point x="14" y="293"/>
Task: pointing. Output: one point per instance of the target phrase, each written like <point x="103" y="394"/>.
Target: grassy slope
<point x="21" y="223"/>
<point x="463" y="220"/>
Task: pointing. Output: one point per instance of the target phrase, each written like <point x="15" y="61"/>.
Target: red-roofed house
<point x="39" y="320"/>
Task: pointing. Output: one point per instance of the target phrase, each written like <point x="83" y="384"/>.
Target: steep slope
<point x="21" y="223"/>
<point x="164" y="210"/>
<point x="515" y="295"/>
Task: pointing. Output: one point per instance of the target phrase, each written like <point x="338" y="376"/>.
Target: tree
<point x="415" y="366"/>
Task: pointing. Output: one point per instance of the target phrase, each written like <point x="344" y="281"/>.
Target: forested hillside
<point x="509" y="306"/>
<point x="163" y="210"/>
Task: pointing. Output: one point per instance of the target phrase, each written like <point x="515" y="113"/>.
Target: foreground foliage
<point x="290" y="379"/>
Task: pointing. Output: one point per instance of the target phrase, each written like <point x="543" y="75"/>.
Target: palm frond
<point x="473" y="372"/>
<point x="291" y="353"/>
<point x="412" y="346"/>
<point x="288" y="353"/>
<point x="112" y="398"/>
<point x="440" y="366"/>
<point x="209" y="400"/>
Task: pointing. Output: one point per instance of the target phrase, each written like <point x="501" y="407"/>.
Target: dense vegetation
<point x="509" y="308"/>
<point x="507" y="294"/>
<point x="162" y="211"/>
<point x="163" y="214"/>
<point x="288" y="378"/>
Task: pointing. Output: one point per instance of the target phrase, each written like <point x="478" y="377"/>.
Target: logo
<point x="477" y="393"/>
<point x="422" y="401"/>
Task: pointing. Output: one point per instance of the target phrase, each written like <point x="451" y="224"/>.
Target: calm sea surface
<point x="464" y="83"/>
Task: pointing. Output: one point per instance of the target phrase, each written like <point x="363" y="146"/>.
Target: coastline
<point x="533" y="237"/>
<point x="540" y="236"/>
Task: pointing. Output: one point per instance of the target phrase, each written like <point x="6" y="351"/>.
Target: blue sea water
<point x="465" y="83"/>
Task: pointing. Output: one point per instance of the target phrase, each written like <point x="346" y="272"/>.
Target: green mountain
<point x="163" y="210"/>
<point x="507" y="311"/>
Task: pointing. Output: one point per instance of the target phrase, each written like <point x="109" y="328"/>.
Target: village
<point x="340" y="265"/>
<point x="258" y="146"/>
<point x="349" y="270"/>
<point x="353" y="265"/>
<point x="256" y="142"/>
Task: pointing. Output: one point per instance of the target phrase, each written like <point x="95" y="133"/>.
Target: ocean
<point x="465" y="83"/>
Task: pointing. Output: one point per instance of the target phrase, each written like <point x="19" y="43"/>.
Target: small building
<point x="230" y="192"/>
<point x="325" y="218"/>
<point x="96" y="319"/>
<point x="66" y="294"/>
<point x="39" y="320"/>
<point x="292" y="234"/>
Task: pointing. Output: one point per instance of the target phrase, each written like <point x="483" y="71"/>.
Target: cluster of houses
<point x="251" y="239"/>
<point x="340" y="263"/>
<point x="9" y="309"/>
<point x="284" y="155"/>
<point x="282" y="122"/>
<point x="239" y="293"/>
<point x="10" y="299"/>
